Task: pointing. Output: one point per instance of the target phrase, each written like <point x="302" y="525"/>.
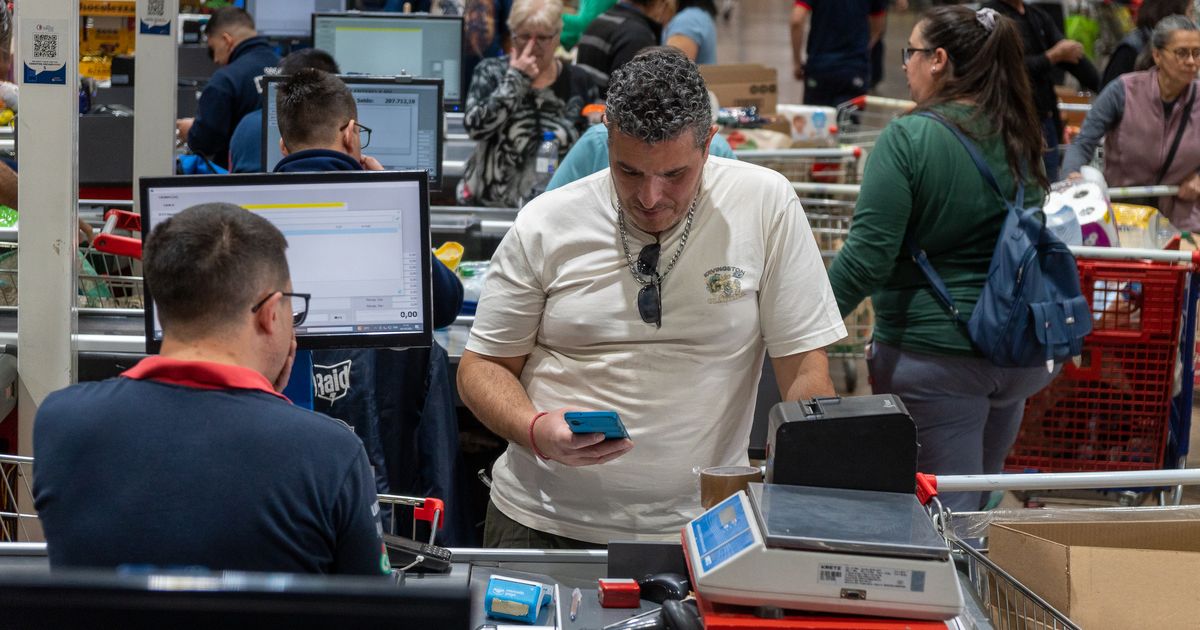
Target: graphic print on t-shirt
<point x="724" y="284"/>
<point x="331" y="382"/>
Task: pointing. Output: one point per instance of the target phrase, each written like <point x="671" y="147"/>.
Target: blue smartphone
<point x="606" y="422"/>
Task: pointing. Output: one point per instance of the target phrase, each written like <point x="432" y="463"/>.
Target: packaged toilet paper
<point x="1094" y="215"/>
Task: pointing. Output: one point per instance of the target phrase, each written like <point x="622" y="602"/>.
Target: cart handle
<point x="927" y="488"/>
<point x="109" y="243"/>
<point x="1129" y="253"/>
<point x="865" y="101"/>
<point x="845" y="151"/>
<point x="431" y="512"/>
<point x="1065" y="481"/>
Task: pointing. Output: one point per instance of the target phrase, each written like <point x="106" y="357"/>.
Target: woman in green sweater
<point x="920" y="182"/>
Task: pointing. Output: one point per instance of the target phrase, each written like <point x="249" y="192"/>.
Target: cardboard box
<point x="1107" y="574"/>
<point x="743" y="85"/>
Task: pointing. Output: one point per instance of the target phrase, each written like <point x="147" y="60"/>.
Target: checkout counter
<point x="754" y="549"/>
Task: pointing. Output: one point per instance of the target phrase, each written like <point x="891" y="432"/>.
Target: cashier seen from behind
<point x="233" y="91"/>
<point x="192" y="457"/>
<point x="652" y="288"/>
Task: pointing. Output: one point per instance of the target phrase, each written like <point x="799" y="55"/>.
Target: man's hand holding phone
<point x="554" y="438"/>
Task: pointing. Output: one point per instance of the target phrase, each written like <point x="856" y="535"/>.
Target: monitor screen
<point x="288" y="18"/>
<point x="34" y="598"/>
<point x="358" y="242"/>
<point x="387" y="44"/>
<point x="404" y="116"/>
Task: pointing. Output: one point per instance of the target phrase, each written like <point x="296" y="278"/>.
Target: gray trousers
<point x="966" y="409"/>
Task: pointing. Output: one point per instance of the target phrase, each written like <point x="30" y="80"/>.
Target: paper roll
<point x="720" y="482"/>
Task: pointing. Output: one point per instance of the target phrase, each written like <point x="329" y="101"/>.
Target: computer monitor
<point x="386" y="44"/>
<point x="288" y="18"/>
<point x="35" y="598"/>
<point x="358" y="242"/>
<point x="404" y="115"/>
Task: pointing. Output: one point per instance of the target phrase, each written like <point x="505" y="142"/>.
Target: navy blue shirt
<point x="231" y="93"/>
<point x="184" y="463"/>
<point x="245" y="146"/>
<point x="838" y="36"/>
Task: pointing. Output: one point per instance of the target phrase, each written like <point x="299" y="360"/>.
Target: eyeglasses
<point x="299" y="305"/>
<point x="906" y="53"/>
<point x="1183" y="54"/>
<point x="364" y="133"/>
<point x="649" y="300"/>
<point x="521" y="39"/>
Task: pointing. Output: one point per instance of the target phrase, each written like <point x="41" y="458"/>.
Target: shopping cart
<point x="108" y="267"/>
<point x="840" y="165"/>
<point x="861" y="120"/>
<point x="830" y="209"/>
<point x="1007" y="603"/>
<point x="16" y="491"/>
<point x="1126" y="403"/>
<point x="423" y="510"/>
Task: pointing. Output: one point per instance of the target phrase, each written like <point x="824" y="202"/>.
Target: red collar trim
<point x="199" y="375"/>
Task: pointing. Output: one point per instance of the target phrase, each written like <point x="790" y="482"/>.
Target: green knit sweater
<point x="920" y="180"/>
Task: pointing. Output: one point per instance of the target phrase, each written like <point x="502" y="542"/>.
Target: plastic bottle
<point x="547" y="162"/>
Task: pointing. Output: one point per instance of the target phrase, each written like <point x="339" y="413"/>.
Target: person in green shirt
<point x="574" y="24"/>
<point x="920" y="182"/>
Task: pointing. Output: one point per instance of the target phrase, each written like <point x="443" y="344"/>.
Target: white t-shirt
<point x="559" y="290"/>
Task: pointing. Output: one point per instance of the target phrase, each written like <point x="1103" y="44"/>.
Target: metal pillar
<point x="154" y="93"/>
<point x="47" y="68"/>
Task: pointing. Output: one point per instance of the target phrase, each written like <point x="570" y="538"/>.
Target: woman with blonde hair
<point x="513" y="100"/>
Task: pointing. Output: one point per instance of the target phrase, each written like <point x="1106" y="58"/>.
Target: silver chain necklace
<point x="687" y="228"/>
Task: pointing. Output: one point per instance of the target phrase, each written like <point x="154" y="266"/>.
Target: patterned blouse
<point x="506" y="117"/>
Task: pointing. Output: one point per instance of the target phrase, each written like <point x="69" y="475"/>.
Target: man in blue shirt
<point x="590" y="155"/>
<point x="193" y="458"/>
<point x="318" y="124"/>
<point x="233" y="90"/>
<point x="837" y="36"/>
<point x="245" y="148"/>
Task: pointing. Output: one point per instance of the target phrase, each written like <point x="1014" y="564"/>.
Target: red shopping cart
<point x="1126" y="403"/>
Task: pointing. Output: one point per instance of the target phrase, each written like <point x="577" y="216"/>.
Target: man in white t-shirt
<point x="583" y="311"/>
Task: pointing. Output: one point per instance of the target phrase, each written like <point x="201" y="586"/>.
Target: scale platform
<point x="823" y="549"/>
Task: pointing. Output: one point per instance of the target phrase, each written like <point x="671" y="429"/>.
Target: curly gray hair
<point x="658" y="95"/>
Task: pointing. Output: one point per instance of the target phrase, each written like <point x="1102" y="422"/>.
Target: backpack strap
<point x="918" y="255"/>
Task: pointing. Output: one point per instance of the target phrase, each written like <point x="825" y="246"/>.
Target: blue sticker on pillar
<point x="152" y="29"/>
<point x="44" y="51"/>
<point x="152" y="14"/>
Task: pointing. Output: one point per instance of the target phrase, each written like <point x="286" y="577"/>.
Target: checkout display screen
<point x="358" y="242"/>
<point x="387" y="44"/>
<point x="288" y="18"/>
<point x="405" y="120"/>
<point x="721" y="533"/>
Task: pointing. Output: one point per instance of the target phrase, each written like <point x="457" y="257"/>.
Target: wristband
<point x="533" y="442"/>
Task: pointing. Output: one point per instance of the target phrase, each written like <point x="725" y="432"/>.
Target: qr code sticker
<point x="45" y="45"/>
<point x="156" y="8"/>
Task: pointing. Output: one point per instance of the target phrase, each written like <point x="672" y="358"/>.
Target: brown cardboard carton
<point x="1107" y="574"/>
<point x="743" y="85"/>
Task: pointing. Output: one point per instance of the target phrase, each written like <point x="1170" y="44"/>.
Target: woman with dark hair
<point x="694" y="30"/>
<point x="1150" y="123"/>
<point x="1127" y="54"/>
<point x="920" y="185"/>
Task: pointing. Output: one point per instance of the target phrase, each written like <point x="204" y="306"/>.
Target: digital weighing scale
<point x="823" y="549"/>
